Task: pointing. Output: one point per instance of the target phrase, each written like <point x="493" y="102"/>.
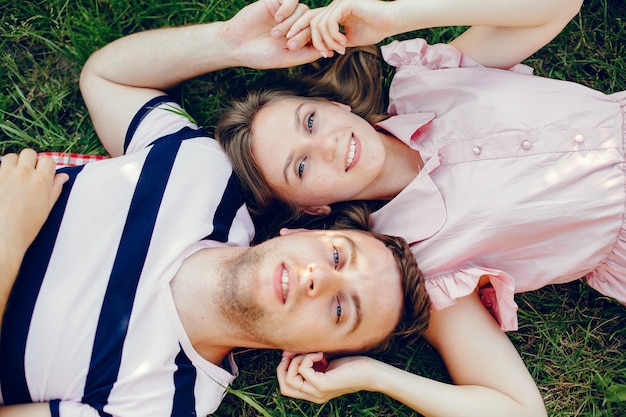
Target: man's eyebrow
<point x="356" y="301"/>
<point x="296" y="125"/>
<point x="352" y="249"/>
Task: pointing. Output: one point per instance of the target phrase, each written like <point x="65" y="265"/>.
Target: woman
<point x="493" y="176"/>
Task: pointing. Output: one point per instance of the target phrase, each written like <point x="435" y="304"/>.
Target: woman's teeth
<point x="351" y="153"/>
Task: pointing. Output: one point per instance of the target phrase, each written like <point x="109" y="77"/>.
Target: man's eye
<point x="336" y="257"/>
<point x="338" y="310"/>
<point x="301" y="166"/>
<point x="309" y="122"/>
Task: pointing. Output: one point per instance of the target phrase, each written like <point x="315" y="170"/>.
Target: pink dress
<point x="523" y="179"/>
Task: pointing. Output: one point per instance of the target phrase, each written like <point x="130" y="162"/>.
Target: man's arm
<point x="29" y="188"/>
<point x="26" y="410"/>
<point x="121" y="77"/>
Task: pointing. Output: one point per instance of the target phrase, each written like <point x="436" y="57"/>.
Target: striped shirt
<point x="91" y="326"/>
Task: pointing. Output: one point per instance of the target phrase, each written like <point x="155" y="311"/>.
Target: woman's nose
<point x="326" y="146"/>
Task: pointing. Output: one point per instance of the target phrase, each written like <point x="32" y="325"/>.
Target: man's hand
<point x="257" y="35"/>
<point x="28" y="190"/>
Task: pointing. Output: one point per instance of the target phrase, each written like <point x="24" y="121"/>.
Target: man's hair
<point x="416" y="303"/>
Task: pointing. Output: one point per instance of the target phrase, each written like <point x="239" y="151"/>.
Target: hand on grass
<point x="310" y="377"/>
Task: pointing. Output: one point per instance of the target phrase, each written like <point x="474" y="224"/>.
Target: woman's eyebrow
<point x="296" y="125"/>
<point x="286" y="166"/>
<point x="297" y="117"/>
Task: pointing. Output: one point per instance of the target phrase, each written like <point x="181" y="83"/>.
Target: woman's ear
<point x="286" y="231"/>
<point x="342" y="105"/>
<point x="317" y="211"/>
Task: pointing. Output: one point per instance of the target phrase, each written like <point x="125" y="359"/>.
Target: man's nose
<point x="320" y="280"/>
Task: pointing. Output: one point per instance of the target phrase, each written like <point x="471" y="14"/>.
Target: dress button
<point x="477" y="150"/>
<point x="579" y="138"/>
<point x="527" y="145"/>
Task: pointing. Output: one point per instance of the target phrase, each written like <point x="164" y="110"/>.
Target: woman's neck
<point x="402" y="165"/>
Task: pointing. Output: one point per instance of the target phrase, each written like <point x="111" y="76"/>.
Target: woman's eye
<point x="309" y="122"/>
<point x="338" y="310"/>
<point x="336" y="257"/>
<point x="301" y="166"/>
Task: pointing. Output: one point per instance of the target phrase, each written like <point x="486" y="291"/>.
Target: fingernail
<point x="292" y="45"/>
<point x="324" y="54"/>
<point x="276" y="33"/>
<point x="288" y="35"/>
<point x="279" y="18"/>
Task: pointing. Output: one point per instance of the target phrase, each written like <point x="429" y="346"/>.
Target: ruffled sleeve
<point x="498" y="297"/>
<point x="418" y="53"/>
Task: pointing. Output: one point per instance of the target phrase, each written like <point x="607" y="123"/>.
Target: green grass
<point x="572" y="339"/>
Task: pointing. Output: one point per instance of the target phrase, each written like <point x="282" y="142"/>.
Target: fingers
<point x="298" y="32"/>
<point x="286" y="8"/>
<point x="292" y="381"/>
<point x="57" y="187"/>
<point x="40" y="168"/>
<point x="288" y="378"/>
<point x="326" y="35"/>
<point x="27" y="158"/>
<point x="301" y="36"/>
<point x="44" y="164"/>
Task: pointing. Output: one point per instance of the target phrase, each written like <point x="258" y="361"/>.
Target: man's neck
<point x="194" y="289"/>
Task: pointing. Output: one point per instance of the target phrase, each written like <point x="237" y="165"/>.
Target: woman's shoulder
<point x="420" y="54"/>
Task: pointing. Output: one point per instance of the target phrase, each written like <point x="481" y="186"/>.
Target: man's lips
<point x="281" y="283"/>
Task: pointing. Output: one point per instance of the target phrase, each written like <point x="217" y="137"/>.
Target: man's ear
<point x="342" y="105"/>
<point x="317" y="210"/>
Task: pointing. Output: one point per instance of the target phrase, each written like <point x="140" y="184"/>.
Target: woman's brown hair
<point x="355" y="78"/>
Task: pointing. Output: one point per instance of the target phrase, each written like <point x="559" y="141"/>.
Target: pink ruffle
<point x="417" y="52"/>
<point x="608" y="278"/>
<point x="498" y="298"/>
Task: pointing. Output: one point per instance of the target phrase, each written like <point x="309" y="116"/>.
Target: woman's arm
<point x="125" y="74"/>
<point x="490" y="377"/>
<point x="502" y="33"/>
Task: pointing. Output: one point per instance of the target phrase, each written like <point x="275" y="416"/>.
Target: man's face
<point x="327" y="291"/>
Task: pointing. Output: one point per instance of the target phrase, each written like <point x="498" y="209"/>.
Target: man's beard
<point x="236" y="300"/>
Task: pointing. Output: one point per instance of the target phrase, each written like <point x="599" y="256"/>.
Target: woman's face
<point x="316" y="152"/>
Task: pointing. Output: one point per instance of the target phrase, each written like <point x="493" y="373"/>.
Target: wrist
<point x="226" y="34"/>
<point x="215" y="51"/>
<point x="378" y="377"/>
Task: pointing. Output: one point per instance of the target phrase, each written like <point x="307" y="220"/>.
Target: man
<point x="140" y="282"/>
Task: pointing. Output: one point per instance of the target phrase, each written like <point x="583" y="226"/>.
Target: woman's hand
<point x="310" y="377"/>
<point x="364" y="22"/>
<point x="256" y="35"/>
